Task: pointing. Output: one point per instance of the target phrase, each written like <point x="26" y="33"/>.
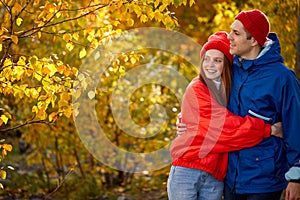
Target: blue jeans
<point x="193" y="184"/>
<point x="230" y="195"/>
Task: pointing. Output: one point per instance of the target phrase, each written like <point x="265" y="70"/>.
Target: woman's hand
<point x="180" y="127"/>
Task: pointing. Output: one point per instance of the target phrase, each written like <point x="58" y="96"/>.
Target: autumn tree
<point x="42" y="45"/>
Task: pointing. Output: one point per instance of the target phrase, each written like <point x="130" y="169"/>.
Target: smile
<point x="211" y="70"/>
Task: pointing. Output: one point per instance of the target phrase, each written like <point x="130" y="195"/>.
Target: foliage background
<point x="43" y="44"/>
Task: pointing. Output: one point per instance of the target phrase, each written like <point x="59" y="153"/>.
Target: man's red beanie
<point x="256" y="23"/>
<point x="218" y="41"/>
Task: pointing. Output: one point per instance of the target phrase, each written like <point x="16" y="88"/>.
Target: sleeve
<point x="291" y="125"/>
<point x="219" y="130"/>
<point x="293" y="174"/>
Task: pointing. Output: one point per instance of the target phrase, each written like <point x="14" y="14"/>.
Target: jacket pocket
<point x="258" y="167"/>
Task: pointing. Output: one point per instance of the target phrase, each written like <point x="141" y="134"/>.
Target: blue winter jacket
<point x="267" y="89"/>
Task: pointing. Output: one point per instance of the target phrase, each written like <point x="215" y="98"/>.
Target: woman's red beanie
<point x="256" y="23"/>
<point x="218" y="41"/>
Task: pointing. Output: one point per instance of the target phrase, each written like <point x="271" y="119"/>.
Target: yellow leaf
<point x="70" y="46"/>
<point x="122" y="70"/>
<point x="35" y="109"/>
<point x="4" y="118"/>
<point x="76" y="36"/>
<point x="53" y="99"/>
<point x="156" y="3"/>
<point x="45" y="71"/>
<point x="82" y="53"/>
<point x="37" y="76"/>
<point x="0" y="47"/>
<point x="58" y="14"/>
<point x="81" y="77"/>
<point x="65" y="97"/>
<point x="1" y="186"/>
<point x="67" y="71"/>
<point x="130" y="22"/>
<point x="192" y="2"/>
<point x="90" y="38"/>
<point x="15" y="39"/>
<point x="33" y="60"/>
<point x="27" y="92"/>
<point x="52" y="69"/>
<point x="74" y="71"/>
<point x="34" y="93"/>
<point x="61" y="68"/>
<point x="7" y="147"/>
<point x="144" y="18"/>
<point x="133" y="60"/>
<point x="2" y="174"/>
<point x="91" y="94"/>
<point x="68" y="112"/>
<point x="17" y="8"/>
<point x="116" y="23"/>
<point x="19" y="21"/>
<point x="4" y="153"/>
<point x="19" y="72"/>
<point x="53" y="116"/>
<point x="67" y="37"/>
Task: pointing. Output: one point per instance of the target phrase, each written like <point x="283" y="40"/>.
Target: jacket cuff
<point x="268" y="131"/>
<point x="293" y="174"/>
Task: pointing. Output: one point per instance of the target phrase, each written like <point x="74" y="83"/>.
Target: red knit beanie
<point x="256" y="23"/>
<point x="218" y="41"/>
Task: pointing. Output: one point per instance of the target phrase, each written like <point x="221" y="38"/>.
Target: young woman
<point x="199" y="157"/>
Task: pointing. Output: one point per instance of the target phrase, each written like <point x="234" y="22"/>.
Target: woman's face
<point x="213" y="63"/>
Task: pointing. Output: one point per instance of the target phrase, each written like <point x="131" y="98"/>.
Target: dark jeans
<point x="229" y="195"/>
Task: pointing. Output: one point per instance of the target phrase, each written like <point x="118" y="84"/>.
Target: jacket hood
<point x="270" y="54"/>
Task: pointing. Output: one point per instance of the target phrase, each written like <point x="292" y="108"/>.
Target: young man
<point x="265" y="88"/>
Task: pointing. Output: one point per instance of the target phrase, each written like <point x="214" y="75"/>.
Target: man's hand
<point x="292" y="191"/>
<point x="180" y="127"/>
<point x="276" y="130"/>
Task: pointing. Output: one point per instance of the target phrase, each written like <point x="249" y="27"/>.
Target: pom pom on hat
<point x="218" y="41"/>
<point x="256" y="23"/>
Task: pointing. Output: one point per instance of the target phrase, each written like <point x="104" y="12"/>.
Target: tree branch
<point x="25" y="124"/>
<point x="36" y="29"/>
<point x="5" y="55"/>
<point x="23" y="8"/>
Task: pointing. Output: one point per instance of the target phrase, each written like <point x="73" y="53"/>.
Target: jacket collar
<point x="272" y="46"/>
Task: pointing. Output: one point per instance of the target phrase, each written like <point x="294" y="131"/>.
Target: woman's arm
<point x="217" y="129"/>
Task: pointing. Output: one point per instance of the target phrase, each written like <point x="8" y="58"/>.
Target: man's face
<point x="239" y="44"/>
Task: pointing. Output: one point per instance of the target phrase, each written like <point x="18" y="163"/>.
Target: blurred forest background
<point x="43" y="43"/>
